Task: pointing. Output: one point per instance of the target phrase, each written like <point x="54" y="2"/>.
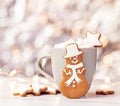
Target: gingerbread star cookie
<point x="93" y="39"/>
<point x="38" y="88"/>
<point x="50" y="90"/>
<point x="34" y="89"/>
<point x="23" y="90"/>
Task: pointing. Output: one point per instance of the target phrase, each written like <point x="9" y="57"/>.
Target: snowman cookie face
<point x="74" y="60"/>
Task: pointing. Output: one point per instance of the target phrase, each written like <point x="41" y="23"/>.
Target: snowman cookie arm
<point x="81" y="70"/>
<point x="67" y="71"/>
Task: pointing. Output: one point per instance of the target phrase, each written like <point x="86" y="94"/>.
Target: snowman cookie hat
<point x="72" y="50"/>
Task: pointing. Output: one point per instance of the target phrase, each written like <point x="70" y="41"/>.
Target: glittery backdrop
<point x="29" y="28"/>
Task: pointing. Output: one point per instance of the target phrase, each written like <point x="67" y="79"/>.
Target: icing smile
<point x="74" y="60"/>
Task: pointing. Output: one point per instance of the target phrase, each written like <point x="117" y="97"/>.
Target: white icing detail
<point x="80" y="72"/>
<point x="74" y="60"/>
<point x="74" y="75"/>
<point x="72" y="50"/>
<point x="22" y="88"/>
<point x="73" y="82"/>
<point x="92" y="39"/>
<point x="75" y="66"/>
<point x="36" y="87"/>
<point x="51" y="89"/>
<point x="68" y="73"/>
<point x="73" y="86"/>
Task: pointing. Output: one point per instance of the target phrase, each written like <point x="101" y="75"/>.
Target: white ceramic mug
<point x="58" y="62"/>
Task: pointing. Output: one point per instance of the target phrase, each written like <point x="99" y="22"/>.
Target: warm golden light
<point x="75" y="31"/>
<point x="104" y="41"/>
<point x="36" y="78"/>
<point x="12" y="73"/>
<point x="107" y="83"/>
<point x="107" y="60"/>
<point x="16" y="52"/>
<point x="22" y="80"/>
<point x="104" y="86"/>
<point x="12" y="85"/>
<point x="44" y="81"/>
<point x="107" y="80"/>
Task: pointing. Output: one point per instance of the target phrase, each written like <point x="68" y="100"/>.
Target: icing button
<point x="73" y="82"/>
<point x="73" y="86"/>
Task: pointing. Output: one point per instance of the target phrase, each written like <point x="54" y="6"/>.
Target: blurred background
<point x="30" y="28"/>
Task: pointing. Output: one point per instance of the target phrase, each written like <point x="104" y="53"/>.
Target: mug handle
<point x="42" y="69"/>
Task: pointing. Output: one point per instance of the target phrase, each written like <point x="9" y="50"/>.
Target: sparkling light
<point x="107" y="60"/>
<point x="44" y="81"/>
<point x="36" y="78"/>
<point x="104" y="86"/>
<point x="107" y="83"/>
<point x="104" y="41"/>
<point x="22" y="80"/>
<point x="107" y="80"/>
<point x="12" y="73"/>
<point x="13" y="85"/>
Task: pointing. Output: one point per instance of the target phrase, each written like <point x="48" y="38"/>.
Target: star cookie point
<point x="93" y="39"/>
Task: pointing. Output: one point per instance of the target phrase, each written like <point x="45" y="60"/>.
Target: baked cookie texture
<point x="34" y="89"/>
<point x="73" y="83"/>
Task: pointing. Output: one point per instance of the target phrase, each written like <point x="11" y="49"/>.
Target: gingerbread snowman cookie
<point x="73" y="83"/>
